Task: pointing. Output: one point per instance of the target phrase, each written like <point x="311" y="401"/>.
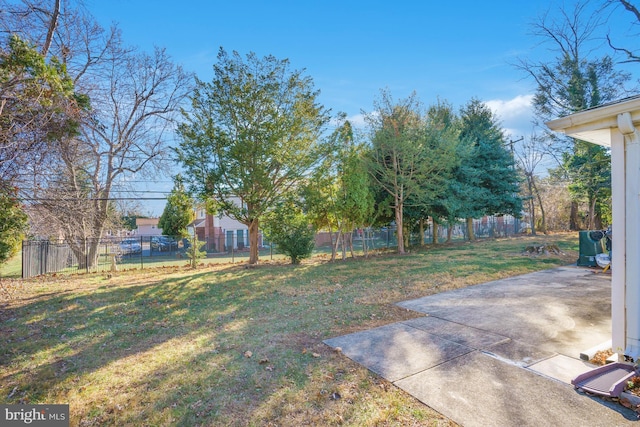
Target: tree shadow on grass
<point x="174" y="350"/>
<point x="160" y="340"/>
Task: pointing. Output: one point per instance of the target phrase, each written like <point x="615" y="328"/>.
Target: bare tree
<point x="576" y="78"/>
<point x="125" y="134"/>
<point x="631" y="54"/>
<point x="529" y="155"/>
<point x="134" y="100"/>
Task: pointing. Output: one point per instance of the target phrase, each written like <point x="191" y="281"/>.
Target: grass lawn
<point x="13" y="267"/>
<point x="229" y="345"/>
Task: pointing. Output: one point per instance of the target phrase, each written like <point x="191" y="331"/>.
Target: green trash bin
<point x="590" y="246"/>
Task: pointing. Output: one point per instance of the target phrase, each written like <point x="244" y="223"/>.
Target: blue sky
<point x="451" y="50"/>
<point x="447" y="50"/>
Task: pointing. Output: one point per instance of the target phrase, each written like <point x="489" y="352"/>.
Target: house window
<point x="240" y="239"/>
<point x="229" y="240"/>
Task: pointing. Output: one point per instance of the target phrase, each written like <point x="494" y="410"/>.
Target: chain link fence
<point x="92" y="255"/>
<point x="48" y="256"/>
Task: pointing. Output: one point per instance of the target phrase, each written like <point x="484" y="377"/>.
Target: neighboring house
<point x="119" y="233"/>
<point x="220" y="232"/>
<point x="148" y="227"/>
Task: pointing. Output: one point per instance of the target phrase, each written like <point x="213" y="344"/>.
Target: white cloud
<point x="357" y="121"/>
<point x="515" y="114"/>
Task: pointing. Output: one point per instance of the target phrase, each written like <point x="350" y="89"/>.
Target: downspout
<point x="632" y="235"/>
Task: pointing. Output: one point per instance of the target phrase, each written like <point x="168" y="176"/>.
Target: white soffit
<point x="600" y="137"/>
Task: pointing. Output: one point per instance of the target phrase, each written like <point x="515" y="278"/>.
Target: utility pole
<point x="511" y="142"/>
<point x="516" y="220"/>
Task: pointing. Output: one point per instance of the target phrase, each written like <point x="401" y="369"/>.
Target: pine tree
<point x="487" y="180"/>
<point x="178" y="212"/>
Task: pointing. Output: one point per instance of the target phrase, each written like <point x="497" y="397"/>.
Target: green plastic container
<point x="589" y="248"/>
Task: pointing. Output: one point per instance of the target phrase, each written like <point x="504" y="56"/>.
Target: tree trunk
<point x="407" y="236"/>
<point x="339" y="242"/>
<point x="253" y="241"/>
<point x="592" y="214"/>
<point x="470" y="235"/>
<point x="86" y="252"/>
<point x="598" y="218"/>
<point x="573" y="217"/>
<point x="435" y="231"/>
<point x="542" y="214"/>
<point x="532" y="204"/>
<point x="333" y="245"/>
<point x="365" y="250"/>
<point x="353" y="254"/>
<point x="421" y="231"/>
<point x="449" y="232"/>
<point x="399" y="227"/>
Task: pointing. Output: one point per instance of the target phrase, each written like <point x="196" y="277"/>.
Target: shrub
<point x="289" y="229"/>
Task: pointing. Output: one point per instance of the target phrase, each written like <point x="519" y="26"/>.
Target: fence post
<point x="22" y="247"/>
<point x="44" y="259"/>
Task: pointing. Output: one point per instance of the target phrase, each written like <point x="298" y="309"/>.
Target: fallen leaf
<point x="263" y="361"/>
<point x="248" y="354"/>
<point x="316" y="355"/>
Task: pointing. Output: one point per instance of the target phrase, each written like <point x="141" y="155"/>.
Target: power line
<point x="42" y="199"/>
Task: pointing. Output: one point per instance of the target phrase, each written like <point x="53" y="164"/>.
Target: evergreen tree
<point x="441" y="128"/>
<point x="589" y="169"/>
<point x="488" y="181"/>
<point x="396" y="153"/>
<point x="338" y="196"/>
<point x="38" y="106"/>
<point x="13" y="223"/>
<point x="251" y="135"/>
<point x="289" y="228"/>
<point x="178" y="212"/>
<point x="409" y="160"/>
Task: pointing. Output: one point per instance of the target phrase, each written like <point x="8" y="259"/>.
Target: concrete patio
<point x="501" y="353"/>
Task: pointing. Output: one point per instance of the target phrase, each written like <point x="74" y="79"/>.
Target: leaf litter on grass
<point x="167" y="346"/>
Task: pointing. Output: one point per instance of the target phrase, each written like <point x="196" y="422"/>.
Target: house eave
<point x="594" y="125"/>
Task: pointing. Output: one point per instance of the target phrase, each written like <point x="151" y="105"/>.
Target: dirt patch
<point x="537" y="250"/>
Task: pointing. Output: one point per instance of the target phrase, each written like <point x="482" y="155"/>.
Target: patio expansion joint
<point x="514" y="363"/>
<point x="444" y="362"/>
<point x="463" y="325"/>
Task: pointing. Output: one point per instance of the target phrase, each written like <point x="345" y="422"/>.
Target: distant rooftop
<point x="147" y="221"/>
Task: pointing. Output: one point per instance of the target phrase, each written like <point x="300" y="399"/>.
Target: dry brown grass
<point x="170" y="346"/>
